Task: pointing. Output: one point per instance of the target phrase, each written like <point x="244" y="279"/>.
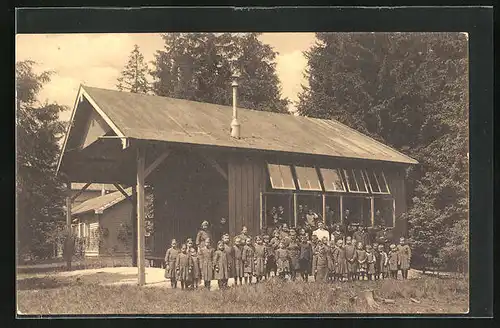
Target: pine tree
<point x="198" y="66"/>
<point x="133" y="77"/>
<point x="39" y="192"/>
<point x="408" y="90"/>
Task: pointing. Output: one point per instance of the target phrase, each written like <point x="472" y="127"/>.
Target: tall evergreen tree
<point x="39" y="192"/>
<point x="408" y="90"/>
<point x="198" y="66"/>
<point x="133" y="77"/>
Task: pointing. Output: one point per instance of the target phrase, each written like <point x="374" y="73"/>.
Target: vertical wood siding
<point x="246" y="178"/>
<point x="395" y="179"/>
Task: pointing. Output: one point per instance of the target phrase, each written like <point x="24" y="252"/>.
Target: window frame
<point x="378" y="183"/>
<point x="355" y="181"/>
<point x="339" y="173"/>
<point x="311" y="168"/>
<point x="279" y="168"/>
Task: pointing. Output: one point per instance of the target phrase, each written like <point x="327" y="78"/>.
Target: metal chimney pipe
<point x="235" y="125"/>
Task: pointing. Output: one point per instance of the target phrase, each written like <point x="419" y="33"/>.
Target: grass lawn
<point x="64" y="295"/>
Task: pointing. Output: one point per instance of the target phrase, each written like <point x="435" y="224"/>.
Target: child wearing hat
<point x="170" y="258"/>
<point x="393" y="261"/>
<point x="238" y="261"/>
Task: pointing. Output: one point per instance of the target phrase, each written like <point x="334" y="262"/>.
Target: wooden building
<point x="104" y="225"/>
<point x="203" y="168"/>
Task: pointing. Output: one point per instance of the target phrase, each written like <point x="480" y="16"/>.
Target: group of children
<point x="286" y="254"/>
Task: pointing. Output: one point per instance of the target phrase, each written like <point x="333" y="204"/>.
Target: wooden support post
<point x="260" y="213"/>
<point x="372" y="210"/>
<point x="394" y="212"/>
<point x="295" y="216"/>
<point x="69" y="247"/>
<point x="133" y="217"/>
<point x="324" y="208"/>
<point x="140" y="218"/>
<point x="341" y="209"/>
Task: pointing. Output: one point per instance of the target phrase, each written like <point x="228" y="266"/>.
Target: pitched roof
<point x="149" y="117"/>
<point x="101" y="203"/>
<point x="93" y="186"/>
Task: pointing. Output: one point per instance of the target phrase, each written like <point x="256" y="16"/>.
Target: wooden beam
<point x="215" y="165"/>
<point x="79" y="192"/>
<point x="69" y="248"/>
<point x="120" y="189"/>
<point x="141" y="225"/>
<point x="156" y="162"/>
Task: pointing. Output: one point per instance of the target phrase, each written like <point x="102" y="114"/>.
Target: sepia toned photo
<point x="242" y="173"/>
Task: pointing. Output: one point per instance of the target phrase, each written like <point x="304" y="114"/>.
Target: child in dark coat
<point x="294" y="253"/>
<point x="350" y="255"/>
<point x="238" y="261"/>
<point x="393" y="261"/>
<point x="370" y="262"/>
<point x="320" y="261"/>
<point x="206" y="262"/>
<point x="361" y="256"/>
<point x="260" y="255"/>
<point x="184" y="267"/>
<point x="305" y="257"/>
<point x="340" y="261"/>
<point x="248" y="260"/>
<point x="383" y="262"/>
<point x="221" y="268"/>
<point x="196" y="268"/>
<point x="229" y="255"/>
<point x="270" y="260"/>
<point x="170" y="258"/>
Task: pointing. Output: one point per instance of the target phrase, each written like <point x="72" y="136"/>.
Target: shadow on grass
<point x="41" y="283"/>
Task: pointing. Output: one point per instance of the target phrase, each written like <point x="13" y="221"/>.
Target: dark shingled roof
<point x="149" y="117"/>
<point x="101" y="203"/>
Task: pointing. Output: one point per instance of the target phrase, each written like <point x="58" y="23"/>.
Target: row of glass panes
<point x="334" y="180"/>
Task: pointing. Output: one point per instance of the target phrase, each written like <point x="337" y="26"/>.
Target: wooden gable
<point x="96" y="127"/>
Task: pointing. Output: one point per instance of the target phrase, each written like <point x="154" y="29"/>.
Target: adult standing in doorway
<point x="221" y="228"/>
<point x="203" y="234"/>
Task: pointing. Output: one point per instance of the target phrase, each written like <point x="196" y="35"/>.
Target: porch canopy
<point x="120" y="138"/>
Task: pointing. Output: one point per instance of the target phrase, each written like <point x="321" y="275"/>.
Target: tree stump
<point x="366" y="297"/>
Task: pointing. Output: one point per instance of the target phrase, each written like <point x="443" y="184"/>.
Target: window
<point x="307" y="178"/>
<point x="332" y="180"/>
<point x="377" y="182"/>
<point x="355" y="181"/>
<point x="281" y="176"/>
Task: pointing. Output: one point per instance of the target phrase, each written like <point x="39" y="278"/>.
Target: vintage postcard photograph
<point x="242" y="173"/>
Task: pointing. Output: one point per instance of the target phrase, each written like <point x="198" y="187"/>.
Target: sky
<point x="97" y="60"/>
